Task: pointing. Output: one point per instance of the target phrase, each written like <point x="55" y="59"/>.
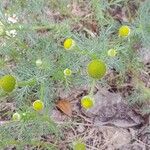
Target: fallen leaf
<point x="65" y="107"/>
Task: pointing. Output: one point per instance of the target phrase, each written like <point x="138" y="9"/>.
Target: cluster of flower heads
<point x="37" y="105"/>
<point x="96" y="69"/>
<point x="8" y="83"/>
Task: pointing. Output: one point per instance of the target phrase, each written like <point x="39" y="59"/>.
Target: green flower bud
<point x="8" y="83"/>
<point x="67" y="72"/>
<point x="96" y="69"/>
<point x="16" y="116"/>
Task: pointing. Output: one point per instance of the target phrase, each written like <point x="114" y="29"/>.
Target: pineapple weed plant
<point x="39" y="55"/>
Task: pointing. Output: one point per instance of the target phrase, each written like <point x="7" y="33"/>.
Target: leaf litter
<point x="102" y="127"/>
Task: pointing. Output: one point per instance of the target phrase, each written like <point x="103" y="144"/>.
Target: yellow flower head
<point x="124" y="31"/>
<point x="112" y="52"/>
<point x="67" y="72"/>
<point x="8" y="83"/>
<point x="38" y="105"/>
<point x="96" y="69"/>
<point x="69" y="43"/>
<point x="87" y="102"/>
<point x="16" y="116"/>
<point x="79" y="146"/>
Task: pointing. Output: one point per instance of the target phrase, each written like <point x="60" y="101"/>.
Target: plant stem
<point x="85" y="52"/>
<point x="42" y="92"/>
<point x="40" y="27"/>
<point x="66" y="81"/>
<point x="92" y="88"/>
<point x="30" y="82"/>
<point x="3" y="93"/>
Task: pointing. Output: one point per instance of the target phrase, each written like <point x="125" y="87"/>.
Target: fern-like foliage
<point x="41" y="28"/>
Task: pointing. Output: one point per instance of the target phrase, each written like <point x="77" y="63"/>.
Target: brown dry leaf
<point x="65" y="107"/>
